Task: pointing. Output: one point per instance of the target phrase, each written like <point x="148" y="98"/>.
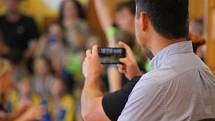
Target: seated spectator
<point x="63" y="104"/>
<point x="43" y="77"/>
<point x="23" y="94"/>
<point x="25" y="112"/>
<point x="52" y="46"/>
<point x="19" y="33"/>
<point x="65" y="63"/>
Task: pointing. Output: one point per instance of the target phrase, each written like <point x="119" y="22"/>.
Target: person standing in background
<point x="121" y="29"/>
<point x="19" y="32"/>
<point x="125" y="12"/>
<point x="71" y="17"/>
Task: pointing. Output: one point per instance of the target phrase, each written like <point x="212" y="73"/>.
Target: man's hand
<point x="92" y="68"/>
<point x="129" y="65"/>
<point x="91" y="98"/>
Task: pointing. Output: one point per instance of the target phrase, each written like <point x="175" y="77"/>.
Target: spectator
<point x="19" y="32"/>
<point x="117" y="80"/>
<point x="197" y="26"/>
<point x="63" y="103"/>
<point x="71" y="17"/>
<point x="65" y="63"/>
<point x="199" y="45"/>
<point x="25" y="112"/>
<point x="125" y="12"/>
<point x="53" y="46"/>
<point x="43" y="77"/>
<point x="18" y="69"/>
<point x="23" y="94"/>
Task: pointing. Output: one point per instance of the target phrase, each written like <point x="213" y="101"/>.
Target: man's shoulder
<point x="177" y="66"/>
<point x="169" y="73"/>
<point x="159" y="75"/>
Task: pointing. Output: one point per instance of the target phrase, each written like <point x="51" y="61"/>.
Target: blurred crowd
<point x="40" y="73"/>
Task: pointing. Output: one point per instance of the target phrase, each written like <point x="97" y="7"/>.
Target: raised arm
<point x="103" y="13"/>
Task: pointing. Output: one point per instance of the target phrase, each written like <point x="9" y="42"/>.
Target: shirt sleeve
<point x="114" y="103"/>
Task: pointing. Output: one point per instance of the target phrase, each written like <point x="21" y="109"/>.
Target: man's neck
<point x="13" y="16"/>
<point x="158" y="43"/>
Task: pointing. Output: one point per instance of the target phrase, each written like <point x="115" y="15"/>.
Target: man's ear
<point x="144" y="19"/>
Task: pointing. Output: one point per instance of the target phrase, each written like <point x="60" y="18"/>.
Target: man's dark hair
<point x="169" y="17"/>
<point x="130" y="5"/>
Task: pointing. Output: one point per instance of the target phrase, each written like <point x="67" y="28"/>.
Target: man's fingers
<point x="121" y="68"/>
<point x="122" y="44"/>
<point x="85" y="59"/>
<point x="128" y="49"/>
<point x="95" y="50"/>
<point x="124" y="61"/>
<point x="88" y="52"/>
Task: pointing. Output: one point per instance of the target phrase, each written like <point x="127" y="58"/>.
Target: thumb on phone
<point x="129" y="65"/>
<point x="95" y="51"/>
<point x="126" y="47"/>
<point x="124" y="61"/>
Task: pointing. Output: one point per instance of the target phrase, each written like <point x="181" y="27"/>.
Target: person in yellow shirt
<point x="24" y="95"/>
<point x="25" y="112"/>
<point x="63" y="104"/>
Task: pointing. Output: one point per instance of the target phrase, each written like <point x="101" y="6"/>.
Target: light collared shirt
<point x="179" y="88"/>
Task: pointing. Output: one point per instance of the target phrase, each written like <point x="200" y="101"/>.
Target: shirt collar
<point x="176" y="48"/>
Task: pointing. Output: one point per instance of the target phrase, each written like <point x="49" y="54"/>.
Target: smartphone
<point x="111" y="55"/>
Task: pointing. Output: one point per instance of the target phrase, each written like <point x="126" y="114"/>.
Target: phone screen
<point x="111" y="55"/>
